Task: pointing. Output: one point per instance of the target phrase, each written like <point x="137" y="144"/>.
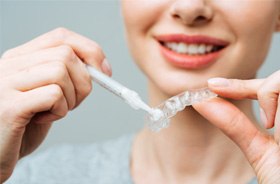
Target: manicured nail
<point x="263" y="117"/>
<point x="218" y="82"/>
<point x="106" y="67"/>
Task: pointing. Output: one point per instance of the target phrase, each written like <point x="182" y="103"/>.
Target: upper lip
<point x="194" y="39"/>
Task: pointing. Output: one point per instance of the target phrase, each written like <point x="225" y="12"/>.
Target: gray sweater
<point x="106" y="163"/>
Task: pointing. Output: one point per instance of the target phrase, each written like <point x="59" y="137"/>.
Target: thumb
<point x="235" y="88"/>
<point x="235" y="125"/>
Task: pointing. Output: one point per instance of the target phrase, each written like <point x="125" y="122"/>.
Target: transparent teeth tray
<point x="160" y="116"/>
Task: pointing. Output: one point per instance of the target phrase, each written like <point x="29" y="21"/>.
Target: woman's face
<point x="179" y="44"/>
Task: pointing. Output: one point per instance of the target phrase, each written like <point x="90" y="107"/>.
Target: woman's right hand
<point x="40" y="82"/>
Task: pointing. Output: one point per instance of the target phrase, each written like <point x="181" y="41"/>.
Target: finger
<point x="86" y="49"/>
<point x="268" y="98"/>
<point x="40" y="75"/>
<point x="235" y="125"/>
<point x="62" y="54"/>
<point x="234" y="88"/>
<point x="43" y="99"/>
<point x="265" y="90"/>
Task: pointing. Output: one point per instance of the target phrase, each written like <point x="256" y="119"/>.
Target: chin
<point x="170" y="85"/>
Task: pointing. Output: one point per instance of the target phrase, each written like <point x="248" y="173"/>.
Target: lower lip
<point x="189" y="61"/>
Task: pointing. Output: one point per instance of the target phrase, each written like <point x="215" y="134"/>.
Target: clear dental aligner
<point x="160" y="117"/>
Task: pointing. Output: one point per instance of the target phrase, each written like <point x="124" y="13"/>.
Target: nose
<point x="192" y="12"/>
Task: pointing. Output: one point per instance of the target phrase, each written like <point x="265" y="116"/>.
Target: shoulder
<point x="98" y="163"/>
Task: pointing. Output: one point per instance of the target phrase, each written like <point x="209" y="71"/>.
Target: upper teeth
<point x="191" y="49"/>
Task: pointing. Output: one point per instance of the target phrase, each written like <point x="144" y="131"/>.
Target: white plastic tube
<point x="129" y="96"/>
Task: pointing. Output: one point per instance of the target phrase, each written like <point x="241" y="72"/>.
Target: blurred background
<point x="102" y="115"/>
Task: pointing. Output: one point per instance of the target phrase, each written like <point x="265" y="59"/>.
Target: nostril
<point x="200" y="18"/>
<point x="176" y="16"/>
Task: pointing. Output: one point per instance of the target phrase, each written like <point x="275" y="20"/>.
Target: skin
<point x="226" y="20"/>
<point x="40" y="82"/>
<point x="197" y="147"/>
<point x="198" y="134"/>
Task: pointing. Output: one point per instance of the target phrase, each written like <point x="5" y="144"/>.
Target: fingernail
<point x="106" y="67"/>
<point x="218" y="82"/>
<point x="263" y="117"/>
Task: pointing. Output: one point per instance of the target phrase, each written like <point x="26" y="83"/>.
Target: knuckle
<point x="96" y="52"/>
<point x="55" y="92"/>
<point x="86" y="89"/>
<point x="66" y="53"/>
<point x="63" y="112"/>
<point x="83" y="93"/>
<point x="60" y="33"/>
<point x="59" y="71"/>
<point x="96" y="47"/>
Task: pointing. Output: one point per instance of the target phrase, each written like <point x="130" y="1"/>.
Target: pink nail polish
<point x="106" y="67"/>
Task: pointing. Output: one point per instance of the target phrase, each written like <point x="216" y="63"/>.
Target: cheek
<point x="251" y="20"/>
<point x="252" y="24"/>
<point x="140" y="15"/>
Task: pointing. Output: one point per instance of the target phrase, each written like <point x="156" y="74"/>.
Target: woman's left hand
<point x="261" y="149"/>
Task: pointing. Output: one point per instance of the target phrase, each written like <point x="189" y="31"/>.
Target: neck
<point x="190" y="149"/>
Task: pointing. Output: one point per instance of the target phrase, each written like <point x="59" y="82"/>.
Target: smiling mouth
<point x="190" y="52"/>
<point x="192" y="49"/>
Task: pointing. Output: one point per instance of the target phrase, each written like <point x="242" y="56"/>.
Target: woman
<point x="182" y="43"/>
